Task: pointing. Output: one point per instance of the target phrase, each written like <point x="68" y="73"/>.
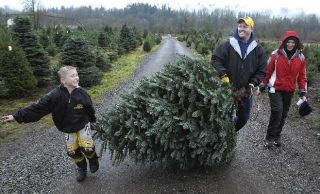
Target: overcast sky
<point x="274" y="7"/>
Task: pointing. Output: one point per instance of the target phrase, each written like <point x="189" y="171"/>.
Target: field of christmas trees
<point x="182" y="114"/>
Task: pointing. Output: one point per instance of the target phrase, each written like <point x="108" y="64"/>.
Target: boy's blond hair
<point x="63" y="71"/>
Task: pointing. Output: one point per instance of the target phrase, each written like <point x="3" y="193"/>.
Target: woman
<point x="285" y="66"/>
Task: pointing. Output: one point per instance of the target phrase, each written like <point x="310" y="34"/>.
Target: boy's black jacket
<point x="70" y="112"/>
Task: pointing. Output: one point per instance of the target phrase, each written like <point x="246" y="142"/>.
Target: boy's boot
<point x="81" y="174"/>
<point x="94" y="163"/>
<point x="82" y="170"/>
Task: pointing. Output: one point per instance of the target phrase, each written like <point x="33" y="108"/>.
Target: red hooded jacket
<point x="282" y="73"/>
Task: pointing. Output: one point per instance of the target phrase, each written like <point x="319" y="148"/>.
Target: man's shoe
<point x="268" y="143"/>
<point x="278" y="142"/>
<point x="81" y="174"/>
<point x="94" y="164"/>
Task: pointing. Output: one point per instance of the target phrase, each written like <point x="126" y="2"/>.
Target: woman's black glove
<point x="302" y="93"/>
<point x="262" y="87"/>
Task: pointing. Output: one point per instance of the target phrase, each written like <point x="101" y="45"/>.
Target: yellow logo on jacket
<point x="79" y="106"/>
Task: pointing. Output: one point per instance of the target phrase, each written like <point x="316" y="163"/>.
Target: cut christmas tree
<point x="180" y="115"/>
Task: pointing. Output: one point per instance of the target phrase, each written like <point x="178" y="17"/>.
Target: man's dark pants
<point x="243" y="113"/>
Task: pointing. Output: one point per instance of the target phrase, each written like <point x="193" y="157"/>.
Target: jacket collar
<point x="236" y="36"/>
<point x="236" y="46"/>
<point x="283" y="52"/>
<point x="61" y="86"/>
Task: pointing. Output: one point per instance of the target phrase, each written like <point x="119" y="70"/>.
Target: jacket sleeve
<point x="302" y="81"/>
<point x="90" y="109"/>
<point x="219" y="57"/>
<point x="270" y="68"/>
<point x="260" y="73"/>
<point x="35" y="111"/>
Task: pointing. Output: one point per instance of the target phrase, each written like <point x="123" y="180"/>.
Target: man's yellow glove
<point x="250" y="90"/>
<point x="225" y="79"/>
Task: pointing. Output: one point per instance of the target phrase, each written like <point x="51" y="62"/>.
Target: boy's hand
<point x="8" y="118"/>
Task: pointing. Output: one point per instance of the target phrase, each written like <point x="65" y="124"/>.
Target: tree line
<point x="166" y="20"/>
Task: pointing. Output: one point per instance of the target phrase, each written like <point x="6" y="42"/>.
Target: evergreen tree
<point x="158" y="39"/>
<point x="51" y="49"/>
<point x="127" y="38"/>
<point x="146" y="46"/>
<point x="114" y="46"/>
<point x="109" y="37"/>
<point x="181" y="114"/>
<point x="107" y="29"/>
<point x="139" y="39"/>
<point x="134" y="38"/>
<point x="48" y="31"/>
<point x="17" y="79"/>
<point x="145" y="33"/>
<point x="103" y="63"/>
<point x="102" y="40"/>
<point x="44" y="38"/>
<point x="58" y="37"/>
<point x="76" y="52"/>
<point x="3" y="88"/>
<point x="36" y="55"/>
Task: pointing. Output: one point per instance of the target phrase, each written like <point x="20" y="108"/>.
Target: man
<point x="242" y="62"/>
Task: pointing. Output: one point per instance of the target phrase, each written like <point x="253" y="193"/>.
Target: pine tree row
<point x="26" y="65"/>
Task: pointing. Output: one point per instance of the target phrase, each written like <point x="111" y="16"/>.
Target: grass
<point x="13" y="129"/>
<point x="122" y="69"/>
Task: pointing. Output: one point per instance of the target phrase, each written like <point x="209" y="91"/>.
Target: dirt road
<point x="37" y="162"/>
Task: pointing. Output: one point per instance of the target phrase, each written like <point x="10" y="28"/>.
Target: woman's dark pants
<point x="280" y="103"/>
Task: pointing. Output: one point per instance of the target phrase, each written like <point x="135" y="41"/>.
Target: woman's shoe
<point x="278" y="142"/>
<point x="269" y="143"/>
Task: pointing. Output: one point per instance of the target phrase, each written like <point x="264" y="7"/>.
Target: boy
<point x="72" y="112"/>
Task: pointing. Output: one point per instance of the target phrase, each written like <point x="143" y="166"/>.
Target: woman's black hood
<point x="291" y="53"/>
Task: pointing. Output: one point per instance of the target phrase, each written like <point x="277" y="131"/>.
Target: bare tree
<point x="34" y="8"/>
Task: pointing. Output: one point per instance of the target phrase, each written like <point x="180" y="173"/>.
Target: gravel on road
<point x="38" y="163"/>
